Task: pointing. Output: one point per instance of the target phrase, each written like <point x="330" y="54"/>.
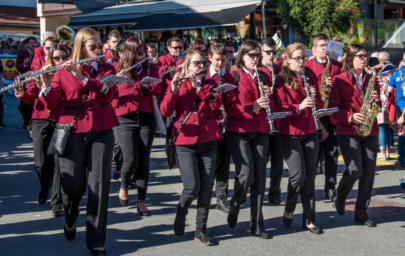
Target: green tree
<point x="320" y="16"/>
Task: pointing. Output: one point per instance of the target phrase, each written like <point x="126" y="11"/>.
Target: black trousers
<point x="25" y="110"/>
<point x="222" y="167"/>
<point x="331" y="153"/>
<point x="136" y="134"/>
<point x="250" y="153"/>
<point x="359" y="154"/>
<point x="276" y="172"/>
<point x="197" y="169"/>
<point x="47" y="166"/>
<point x="117" y="153"/>
<point x="87" y="157"/>
<point x="300" y="153"/>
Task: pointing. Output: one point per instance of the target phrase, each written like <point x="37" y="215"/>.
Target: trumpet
<point x="66" y="34"/>
<point x="273" y="128"/>
<point x="40" y="72"/>
<point x="304" y="76"/>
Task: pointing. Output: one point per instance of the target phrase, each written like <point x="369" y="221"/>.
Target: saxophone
<point x="369" y="109"/>
<point x="325" y="90"/>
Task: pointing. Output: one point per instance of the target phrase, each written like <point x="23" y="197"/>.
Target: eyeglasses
<point x="230" y="51"/>
<point x="58" y="58"/>
<point x="94" y="47"/>
<point x="322" y="45"/>
<point x="47" y="48"/>
<point x="141" y="53"/>
<point x="361" y="56"/>
<point x="200" y="63"/>
<point x="270" y="52"/>
<point x="177" y="48"/>
<point x="253" y="56"/>
<point x="298" y="59"/>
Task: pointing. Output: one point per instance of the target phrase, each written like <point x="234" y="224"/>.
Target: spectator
<point x="5" y="48"/>
<point x="151" y="50"/>
<point x="2" y="125"/>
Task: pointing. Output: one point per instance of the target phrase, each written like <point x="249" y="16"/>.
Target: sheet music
<point x="113" y="80"/>
<point x="225" y="88"/>
<point x="334" y="47"/>
<point x="151" y="80"/>
<point x="278" y="115"/>
<point x="325" y="112"/>
<point x="387" y="70"/>
<point x="308" y="53"/>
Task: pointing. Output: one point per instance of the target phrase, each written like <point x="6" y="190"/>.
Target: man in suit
<point x="23" y="64"/>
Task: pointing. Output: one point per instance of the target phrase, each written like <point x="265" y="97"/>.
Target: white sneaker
<point x="381" y="156"/>
<point x="387" y="155"/>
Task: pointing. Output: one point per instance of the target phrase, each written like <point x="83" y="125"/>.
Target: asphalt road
<point x="26" y="228"/>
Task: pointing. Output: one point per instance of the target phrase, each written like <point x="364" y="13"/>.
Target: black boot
<point x="180" y="221"/>
<point x="202" y="237"/>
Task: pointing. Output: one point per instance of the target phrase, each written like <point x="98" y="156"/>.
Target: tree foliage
<point x="320" y="16"/>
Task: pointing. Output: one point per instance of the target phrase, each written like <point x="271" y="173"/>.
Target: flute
<point x="183" y="78"/>
<point x="40" y="72"/>
<point x="137" y="64"/>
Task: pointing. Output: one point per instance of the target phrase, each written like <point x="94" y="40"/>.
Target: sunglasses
<point x="270" y="52"/>
<point x="58" y="58"/>
<point x="47" y="48"/>
<point x="141" y="53"/>
<point x="200" y="63"/>
<point x="253" y="56"/>
<point x="94" y="47"/>
<point x="230" y="51"/>
<point x="178" y="48"/>
<point x="361" y="56"/>
<point x="298" y="59"/>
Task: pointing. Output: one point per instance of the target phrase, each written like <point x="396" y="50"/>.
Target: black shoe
<point x="179" y="222"/>
<point x="203" y="237"/>
<point x="287" y="222"/>
<point x="116" y="175"/>
<point x="123" y="202"/>
<point x="43" y="196"/>
<point x="57" y="210"/>
<point x="263" y="235"/>
<point x="277" y="201"/>
<point x="315" y="230"/>
<point x="232" y="220"/>
<point x="70" y="235"/>
<point x="25" y="125"/>
<point x="367" y="222"/>
<point x="222" y="204"/>
<point x="331" y="194"/>
<point x="98" y="252"/>
<point x="340" y="207"/>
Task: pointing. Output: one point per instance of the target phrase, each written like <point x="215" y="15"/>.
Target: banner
<point x="10" y="71"/>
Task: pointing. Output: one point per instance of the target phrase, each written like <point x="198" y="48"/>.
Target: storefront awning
<point x="55" y="1"/>
<point x="169" y="14"/>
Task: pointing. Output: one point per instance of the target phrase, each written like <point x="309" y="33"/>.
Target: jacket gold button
<point x="89" y="108"/>
<point x="195" y="122"/>
<point x="195" y="112"/>
<point x="254" y="92"/>
<point x="306" y="115"/>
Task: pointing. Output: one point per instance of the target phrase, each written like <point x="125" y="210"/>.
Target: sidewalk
<point x="26" y="228"/>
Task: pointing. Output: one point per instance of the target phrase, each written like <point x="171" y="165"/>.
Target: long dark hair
<point x="58" y="47"/>
<point x="246" y="47"/>
<point x="352" y="50"/>
<point x="132" y="46"/>
<point x="119" y="49"/>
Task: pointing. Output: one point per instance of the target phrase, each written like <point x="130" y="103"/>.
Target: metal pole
<point x="375" y="24"/>
<point x="264" y="19"/>
<point x="252" y="28"/>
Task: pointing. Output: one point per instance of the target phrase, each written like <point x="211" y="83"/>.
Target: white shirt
<point x="319" y="61"/>
<point x="359" y="79"/>
<point x="252" y="76"/>
<point x="213" y="72"/>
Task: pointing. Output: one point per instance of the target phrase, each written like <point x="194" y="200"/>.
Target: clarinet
<point x="273" y="128"/>
<point x="223" y="110"/>
<point x="304" y="77"/>
<point x="273" y="76"/>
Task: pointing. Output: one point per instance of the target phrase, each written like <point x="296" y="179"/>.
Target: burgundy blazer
<point x="315" y="69"/>
<point x="201" y="125"/>
<point x="96" y="112"/>
<point x="239" y="105"/>
<point x="226" y="77"/>
<point x="286" y="99"/>
<point x="129" y="99"/>
<point x="346" y="96"/>
<point x="38" y="63"/>
<point x="40" y="110"/>
<point x="164" y="62"/>
<point x="38" y="53"/>
<point x="20" y="61"/>
<point x="108" y="55"/>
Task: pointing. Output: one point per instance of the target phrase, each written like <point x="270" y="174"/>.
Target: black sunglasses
<point x="361" y="56"/>
<point x="252" y="55"/>
<point x="270" y="52"/>
<point x="200" y="63"/>
<point x="230" y="51"/>
<point x="141" y="53"/>
<point x="178" y="48"/>
<point x="94" y="47"/>
<point x="47" y="48"/>
<point x="57" y="58"/>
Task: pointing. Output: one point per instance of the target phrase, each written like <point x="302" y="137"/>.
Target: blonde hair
<point x="288" y="75"/>
<point x="81" y="38"/>
<point x="187" y="60"/>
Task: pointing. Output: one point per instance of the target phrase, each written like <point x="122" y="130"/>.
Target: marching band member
<point x="218" y="73"/>
<point x="43" y="124"/>
<point x="359" y="153"/>
<point x="248" y="136"/>
<point x="196" y="144"/>
<point x="268" y="56"/>
<point x="316" y="68"/>
<point x="298" y="140"/>
<point x="117" y="54"/>
<point x="230" y="54"/>
<point x="39" y="62"/>
<point x="113" y="38"/>
<point x="39" y="52"/>
<point x="152" y="51"/>
<point x="134" y="108"/>
<point x="196" y="44"/>
<point x="89" y="147"/>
